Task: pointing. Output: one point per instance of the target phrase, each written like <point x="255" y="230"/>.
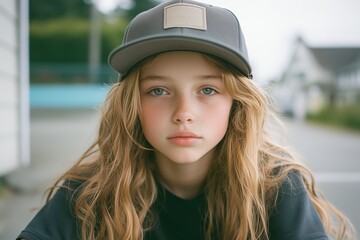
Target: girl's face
<point x="185" y="107"/>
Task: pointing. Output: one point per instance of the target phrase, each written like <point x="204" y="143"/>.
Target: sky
<point x="271" y="27"/>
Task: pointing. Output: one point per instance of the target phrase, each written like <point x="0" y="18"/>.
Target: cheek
<point x="151" y="117"/>
<point x="220" y="118"/>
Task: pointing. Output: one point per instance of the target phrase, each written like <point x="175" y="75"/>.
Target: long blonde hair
<point x="116" y="175"/>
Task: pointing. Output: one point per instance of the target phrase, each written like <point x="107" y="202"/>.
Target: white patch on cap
<point x="185" y="15"/>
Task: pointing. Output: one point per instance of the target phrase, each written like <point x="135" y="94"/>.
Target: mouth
<point x="183" y="134"/>
<point x="184" y="138"/>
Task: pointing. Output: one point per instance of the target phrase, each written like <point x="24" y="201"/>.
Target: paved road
<point x="58" y="138"/>
<point x="334" y="157"/>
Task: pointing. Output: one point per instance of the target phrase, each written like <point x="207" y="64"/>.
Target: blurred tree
<point x="140" y="6"/>
<point x="50" y="9"/>
<point x="60" y="31"/>
<point x="66" y="40"/>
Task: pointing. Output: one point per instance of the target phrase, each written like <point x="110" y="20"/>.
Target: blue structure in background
<point x="67" y="96"/>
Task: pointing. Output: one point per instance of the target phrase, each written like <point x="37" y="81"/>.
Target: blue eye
<point x="208" y="91"/>
<point x="158" y="92"/>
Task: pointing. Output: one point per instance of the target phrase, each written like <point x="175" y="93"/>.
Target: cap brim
<point x="122" y="59"/>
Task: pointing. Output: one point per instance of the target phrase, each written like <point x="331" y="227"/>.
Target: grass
<point x="2" y="187"/>
<point x="345" y="117"/>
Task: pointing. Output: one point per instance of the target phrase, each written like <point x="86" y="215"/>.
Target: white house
<point x="14" y="107"/>
<point x="348" y="82"/>
<point x="317" y="76"/>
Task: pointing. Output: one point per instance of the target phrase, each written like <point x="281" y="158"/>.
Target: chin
<point x="191" y="158"/>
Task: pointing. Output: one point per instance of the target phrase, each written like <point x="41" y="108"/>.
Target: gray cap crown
<point x="182" y="26"/>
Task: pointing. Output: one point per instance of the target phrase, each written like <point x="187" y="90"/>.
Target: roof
<point x="337" y="57"/>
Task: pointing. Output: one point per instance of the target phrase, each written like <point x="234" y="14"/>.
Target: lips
<point x="184" y="134"/>
<point x="184" y="138"/>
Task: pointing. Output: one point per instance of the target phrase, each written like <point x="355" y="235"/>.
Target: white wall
<point x="13" y="85"/>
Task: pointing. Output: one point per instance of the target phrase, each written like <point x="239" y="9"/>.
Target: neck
<point x="184" y="180"/>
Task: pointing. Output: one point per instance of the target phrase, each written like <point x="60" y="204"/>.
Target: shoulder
<point x="294" y="215"/>
<point x="55" y="220"/>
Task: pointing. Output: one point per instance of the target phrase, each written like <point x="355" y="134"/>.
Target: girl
<point x="184" y="150"/>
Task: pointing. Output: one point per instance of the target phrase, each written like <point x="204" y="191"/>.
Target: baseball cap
<point x="182" y="26"/>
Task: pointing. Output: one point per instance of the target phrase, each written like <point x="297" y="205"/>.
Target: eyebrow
<point x="164" y="77"/>
<point x="216" y="77"/>
<point x="154" y="77"/>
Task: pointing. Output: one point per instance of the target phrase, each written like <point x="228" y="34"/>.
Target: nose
<point x="184" y="111"/>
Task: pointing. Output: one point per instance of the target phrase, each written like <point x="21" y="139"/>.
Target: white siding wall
<point x="11" y="121"/>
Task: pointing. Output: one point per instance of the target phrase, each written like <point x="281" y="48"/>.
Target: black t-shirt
<point x="294" y="217"/>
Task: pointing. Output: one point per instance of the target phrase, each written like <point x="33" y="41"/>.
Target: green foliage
<point x="60" y="30"/>
<point x="140" y="6"/>
<point x="66" y="40"/>
<point x="62" y="40"/>
<point x="112" y="35"/>
<point x="345" y="116"/>
<point x="50" y="9"/>
<point x="2" y="186"/>
<point x="59" y="38"/>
